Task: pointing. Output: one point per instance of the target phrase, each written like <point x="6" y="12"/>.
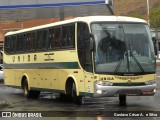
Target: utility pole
<point x="157" y="42"/>
<point x="109" y="3"/>
<point x="148" y="20"/>
<point x="61" y="13"/>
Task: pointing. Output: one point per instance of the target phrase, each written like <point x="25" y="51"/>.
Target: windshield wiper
<point x="121" y="58"/>
<point x="120" y="61"/>
<point x="137" y="62"/>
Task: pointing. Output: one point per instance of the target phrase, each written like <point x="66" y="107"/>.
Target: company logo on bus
<point x="129" y="82"/>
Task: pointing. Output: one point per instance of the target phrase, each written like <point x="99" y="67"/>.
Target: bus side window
<point x="13" y="44"/>
<point x="44" y="42"/>
<point x="28" y="41"/>
<point x="68" y="35"/>
<point x="57" y="39"/>
<point x="51" y="39"/>
<point x="17" y="44"/>
<point x="33" y="40"/>
<point x="7" y="45"/>
<point x="71" y="35"/>
<point x="39" y="39"/>
<point x="64" y="36"/>
<point x="84" y="54"/>
<point x="21" y="38"/>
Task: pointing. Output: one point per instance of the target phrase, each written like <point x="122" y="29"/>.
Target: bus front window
<point x="123" y="48"/>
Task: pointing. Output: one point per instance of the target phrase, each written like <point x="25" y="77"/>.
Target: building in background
<point x="20" y="14"/>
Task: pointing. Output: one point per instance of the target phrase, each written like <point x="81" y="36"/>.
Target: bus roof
<point x="87" y="19"/>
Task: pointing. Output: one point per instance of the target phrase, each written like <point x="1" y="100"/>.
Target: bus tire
<point x="65" y="97"/>
<point x="122" y="99"/>
<point x="76" y="99"/>
<point x="29" y="93"/>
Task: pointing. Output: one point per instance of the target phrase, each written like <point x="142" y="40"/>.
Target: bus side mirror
<point x="91" y="42"/>
<point x="155" y="45"/>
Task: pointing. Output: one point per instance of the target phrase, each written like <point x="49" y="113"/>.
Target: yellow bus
<point x="99" y="56"/>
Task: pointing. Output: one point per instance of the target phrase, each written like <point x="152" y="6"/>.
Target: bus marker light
<point x="129" y="82"/>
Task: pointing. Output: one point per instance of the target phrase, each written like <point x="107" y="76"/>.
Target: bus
<point x="95" y="56"/>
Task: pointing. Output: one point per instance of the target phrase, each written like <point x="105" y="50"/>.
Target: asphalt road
<point x="92" y="108"/>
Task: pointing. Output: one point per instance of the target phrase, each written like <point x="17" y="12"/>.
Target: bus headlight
<point x="104" y="83"/>
<point x="151" y="82"/>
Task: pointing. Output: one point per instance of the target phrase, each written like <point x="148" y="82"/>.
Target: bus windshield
<point x="123" y="48"/>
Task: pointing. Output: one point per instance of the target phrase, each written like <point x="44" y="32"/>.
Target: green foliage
<point x="155" y="17"/>
<point x="136" y="15"/>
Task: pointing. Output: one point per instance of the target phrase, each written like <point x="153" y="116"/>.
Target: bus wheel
<point x="122" y="99"/>
<point x="76" y="99"/>
<point x="29" y="93"/>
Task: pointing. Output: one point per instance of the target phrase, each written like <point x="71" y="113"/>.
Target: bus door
<point x="85" y="55"/>
<point x="89" y="85"/>
<point x="88" y="74"/>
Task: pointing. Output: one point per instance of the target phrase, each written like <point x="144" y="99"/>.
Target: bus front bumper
<point x="110" y="91"/>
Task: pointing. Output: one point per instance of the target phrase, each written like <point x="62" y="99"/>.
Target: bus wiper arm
<point x="137" y="62"/>
<point x="120" y="61"/>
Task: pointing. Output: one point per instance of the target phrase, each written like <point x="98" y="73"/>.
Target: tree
<point x="137" y="15"/>
<point x="155" y="17"/>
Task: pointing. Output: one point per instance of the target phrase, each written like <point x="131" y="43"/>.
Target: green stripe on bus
<point x="57" y="65"/>
<point x="14" y="86"/>
<point x="48" y="90"/>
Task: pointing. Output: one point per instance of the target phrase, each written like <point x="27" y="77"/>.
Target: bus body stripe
<point x="57" y="65"/>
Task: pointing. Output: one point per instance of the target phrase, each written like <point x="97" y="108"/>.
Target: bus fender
<point x="75" y="81"/>
<point x="27" y="78"/>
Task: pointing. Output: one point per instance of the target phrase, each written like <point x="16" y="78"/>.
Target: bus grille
<point x="126" y="91"/>
<point x="126" y="84"/>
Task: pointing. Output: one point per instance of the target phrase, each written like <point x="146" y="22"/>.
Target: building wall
<point x="10" y="3"/>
